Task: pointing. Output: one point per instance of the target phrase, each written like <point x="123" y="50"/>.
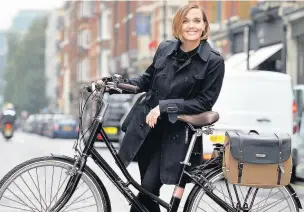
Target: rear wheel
<point x="37" y="184"/>
<point x="274" y="199"/>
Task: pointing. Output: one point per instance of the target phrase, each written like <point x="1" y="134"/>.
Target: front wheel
<point x="37" y="184"/>
<point x="274" y="199"/>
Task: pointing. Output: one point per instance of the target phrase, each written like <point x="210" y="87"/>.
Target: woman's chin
<point x="191" y="39"/>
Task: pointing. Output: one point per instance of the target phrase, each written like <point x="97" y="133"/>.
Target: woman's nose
<point x="191" y="24"/>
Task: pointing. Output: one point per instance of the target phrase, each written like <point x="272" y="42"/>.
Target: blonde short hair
<point x="179" y="18"/>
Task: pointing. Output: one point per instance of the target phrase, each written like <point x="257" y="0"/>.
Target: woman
<point x="185" y="78"/>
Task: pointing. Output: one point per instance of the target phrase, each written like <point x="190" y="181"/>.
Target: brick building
<point x="99" y="38"/>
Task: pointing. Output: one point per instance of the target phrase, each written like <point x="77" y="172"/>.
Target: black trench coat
<point x="192" y="88"/>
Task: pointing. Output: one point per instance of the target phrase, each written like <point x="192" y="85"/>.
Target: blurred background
<point x="49" y="53"/>
<point x="49" y="49"/>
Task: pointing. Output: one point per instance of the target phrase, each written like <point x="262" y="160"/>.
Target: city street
<point x="25" y="146"/>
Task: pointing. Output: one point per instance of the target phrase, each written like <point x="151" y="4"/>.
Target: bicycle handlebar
<point x="111" y="87"/>
<point x="128" y="88"/>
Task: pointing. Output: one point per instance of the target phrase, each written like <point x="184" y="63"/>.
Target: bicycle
<point x="205" y="177"/>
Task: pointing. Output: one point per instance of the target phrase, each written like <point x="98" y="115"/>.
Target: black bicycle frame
<point x="123" y="186"/>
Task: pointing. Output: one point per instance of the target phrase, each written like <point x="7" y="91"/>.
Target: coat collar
<point x="203" y="49"/>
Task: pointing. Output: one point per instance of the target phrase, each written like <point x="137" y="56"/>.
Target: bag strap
<point x="240" y="163"/>
<point x="280" y="165"/>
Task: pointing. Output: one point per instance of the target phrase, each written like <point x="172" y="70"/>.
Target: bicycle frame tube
<point x="117" y="181"/>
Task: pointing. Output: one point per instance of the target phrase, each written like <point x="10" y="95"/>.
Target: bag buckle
<point x="172" y="109"/>
<point x="241" y="165"/>
<point x="281" y="167"/>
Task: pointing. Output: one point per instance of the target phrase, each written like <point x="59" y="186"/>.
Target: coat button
<point x="197" y="75"/>
<point x="186" y="79"/>
<point x="175" y="137"/>
<point x="163" y="75"/>
<point x="141" y="126"/>
<point x="156" y="92"/>
<point x="192" y="61"/>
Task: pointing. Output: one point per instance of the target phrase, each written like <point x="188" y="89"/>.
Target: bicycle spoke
<point x="62" y="185"/>
<point x="52" y="186"/>
<point x="29" y="188"/>
<point x="20" y="199"/>
<point x="241" y="194"/>
<point x="283" y="209"/>
<point x="15" y="201"/>
<point x="268" y="196"/>
<point x="223" y="192"/>
<point x="32" y="188"/>
<point x="210" y="206"/>
<point x="279" y="201"/>
<point x="25" y="195"/>
<point x="59" y="181"/>
<point x="45" y="185"/>
<point x="202" y="209"/>
<point x="264" y="200"/>
<point x="59" y="189"/>
<point x="84" y="199"/>
<point x="76" y="199"/>
<point x="37" y="190"/>
<point x="16" y="208"/>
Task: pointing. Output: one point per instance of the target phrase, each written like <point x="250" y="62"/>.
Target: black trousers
<point x="149" y="167"/>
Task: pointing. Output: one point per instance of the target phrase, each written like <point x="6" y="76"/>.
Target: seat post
<point x="198" y="132"/>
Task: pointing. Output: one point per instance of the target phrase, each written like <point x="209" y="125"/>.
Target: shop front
<point x="266" y="39"/>
<point x="295" y="20"/>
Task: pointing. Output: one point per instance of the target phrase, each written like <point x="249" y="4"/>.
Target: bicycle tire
<point x="195" y="193"/>
<point x="88" y="175"/>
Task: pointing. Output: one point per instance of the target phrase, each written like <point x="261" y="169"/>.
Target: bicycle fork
<point x="72" y="184"/>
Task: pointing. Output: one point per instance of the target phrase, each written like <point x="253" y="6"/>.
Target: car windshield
<point x="68" y="121"/>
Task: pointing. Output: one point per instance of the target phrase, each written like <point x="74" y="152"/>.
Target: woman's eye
<point x="185" y="21"/>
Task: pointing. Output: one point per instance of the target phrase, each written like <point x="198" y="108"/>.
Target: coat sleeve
<point x="144" y="81"/>
<point x="206" y="97"/>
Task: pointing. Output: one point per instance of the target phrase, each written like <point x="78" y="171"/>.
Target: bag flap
<point x="260" y="149"/>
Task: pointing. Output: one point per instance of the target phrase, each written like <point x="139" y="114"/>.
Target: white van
<point x="254" y="100"/>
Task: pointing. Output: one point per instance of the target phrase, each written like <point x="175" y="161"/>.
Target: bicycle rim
<point x="35" y="186"/>
<point x="275" y="199"/>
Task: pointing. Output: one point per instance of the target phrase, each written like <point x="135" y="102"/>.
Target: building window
<point x="66" y="18"/>
<point x="105" y="26"/>
<point x="104" y="72"/>
<point x="85" y="9"/>
<point x="99" y="26"/>
<point x="84" y="38"/>
<point x="83" y="70"/>
<point x="66" y="60"/>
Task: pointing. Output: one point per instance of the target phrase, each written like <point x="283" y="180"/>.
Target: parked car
<point x="256" y="100"/>
<point x="118" y="106"/>
<point x="62" y="126"/>
<point x="29" y="124"/>
<point x="299" y="99"/>
<point x="41" y="125"/>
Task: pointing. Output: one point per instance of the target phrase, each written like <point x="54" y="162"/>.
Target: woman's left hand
<point x="152" y="117"/>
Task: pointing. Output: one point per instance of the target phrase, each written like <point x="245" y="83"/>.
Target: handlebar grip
<point x="127" y="87"/>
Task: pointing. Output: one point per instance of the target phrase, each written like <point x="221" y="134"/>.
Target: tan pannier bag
<point x="263" y="161"/>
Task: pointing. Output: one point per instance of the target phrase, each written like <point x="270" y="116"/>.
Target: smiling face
<point x="190" y="23"/>
<point x="193" y="26"/>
